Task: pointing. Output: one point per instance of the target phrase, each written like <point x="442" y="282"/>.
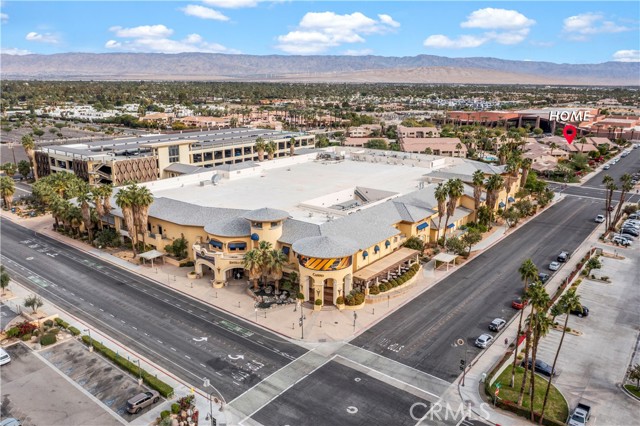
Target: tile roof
<point x="266" y="214"/>
<point x="234" y="227"/>
<point x="325" y="246"/>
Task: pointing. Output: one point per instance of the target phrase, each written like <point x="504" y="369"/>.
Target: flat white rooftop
<point x="323" y="183"/>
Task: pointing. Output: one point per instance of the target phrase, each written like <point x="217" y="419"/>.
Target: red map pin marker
<point x="569" y="133"/>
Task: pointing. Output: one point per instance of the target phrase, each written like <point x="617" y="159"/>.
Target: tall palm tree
<point x="478" y="184"/>
<point x="493" y="186"/>
<point x="124" y="200"/>
<point x="568" y="302"/>
<point x="260" y="147"/>
<point x="142" y="200"/>
<point x="611" y="186"/>
<point x="441" y="193"/>
<point x="528" y="272"/>
<point x="251" y="262"/>
<point x="271" y="149"/>
<point x="277" y="260"/>
<point x="455" y="189"/>
<point x="264" y="250"/>
<point x="526" y="167"/>
<point x="29" y="147"/>
<point x="553" y="146"/>
<point x="96" y="197"/>
<point x="625" y="187"/>
<point x="7" y="189"/>
<point x="540" y="327"/>
<point x="107" y="191"/>
<point x="85" y="209"/>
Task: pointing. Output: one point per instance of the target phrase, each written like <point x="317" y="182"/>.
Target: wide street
<point x="166" y="327"/>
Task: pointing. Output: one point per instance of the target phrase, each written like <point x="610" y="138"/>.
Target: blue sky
<point x="564" y="32"/>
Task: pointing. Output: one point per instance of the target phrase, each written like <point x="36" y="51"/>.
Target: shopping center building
<point x="340" y="215"/>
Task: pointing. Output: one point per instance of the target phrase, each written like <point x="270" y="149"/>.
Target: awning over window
<point x="216" y="244"/>
<point x="423" y="226"/>
<point x="511" y="200"/>
<point x="237" y="246"/>
<point x="387" y="243"/>
<point x="376" y="249"/>
<point x="451" y="225"/>
<point x="502" y="205"/>
<point x="286" y="250"/>
<point x="365" y="254"/>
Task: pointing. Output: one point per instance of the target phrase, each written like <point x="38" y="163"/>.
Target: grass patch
<point x="556" y="411"/>
<point x="633" y="389"/>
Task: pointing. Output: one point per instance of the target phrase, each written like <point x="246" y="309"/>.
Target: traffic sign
<point x="497" y="391"/>
<point x="498" y="385"/>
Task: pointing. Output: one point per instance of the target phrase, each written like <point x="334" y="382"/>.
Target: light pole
<point x="463" y="366"/>
<point x="90" y="339"/>
<point x="256" y="314"/>
<point x="355" y="317"/>
<point x="206" y="383"/>
<point x="301" y="323"/>
<point x="139" y="373"/>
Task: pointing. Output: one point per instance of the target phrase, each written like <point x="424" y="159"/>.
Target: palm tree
<point x="4" y="278"/>
<point x="29" y="147"/>
<point x="625" y="186"/>
<point x="528" y="272"/>
<point x="260" y="147"/>
<point x="277" y="260"/>
<point x="125" y="200"/>
<point x="96" y="197"/>
<point x="264" y="250"/>
<point x="553" y="146"/>
<point x="251" y="263"/>
<point x="528" y="340"/>
<point x="7" y="189"/>
<point x="569" y="301"/>
<point x="478" y="184"/>
<point x="441" y="193"/>
<point x="526" y="167"/>
<point x="611" y="186"/>
<point x="292" y="146"/>
<point x="106" y="190"/>
<point x="493" y="186"/>
<point x="271" y="149"/>
<point x="84" y="198"/>
<point x="142" y="200"/>
<point x="455" y="189"/>
<point x="540" y="302"/>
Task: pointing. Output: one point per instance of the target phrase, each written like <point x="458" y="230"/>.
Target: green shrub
<point x="300" y="296"/>
<point x="187" y="264"/>
<point x="318" y="302"/>
<point x="74" y="331"/>
<point x="48" y="339"/>
<point x="375" y="289"/>
<point x="61" y="323"/>
<point x="175" y="408"/>
<point x="166" y="413"/>
<point x="26" y="337"/>
<point x="382" y="287"/>
<point x="13" y="332"/>
<point x="54" y="330"/>
<point x="48" y="323"/>
<point x="340" y="300"/>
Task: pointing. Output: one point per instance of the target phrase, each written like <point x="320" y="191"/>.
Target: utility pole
<point x="301" y="323"/>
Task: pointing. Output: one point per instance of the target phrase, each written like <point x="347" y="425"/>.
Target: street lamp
<point x="90" y="340"/>
<point x="355" y="317"/>
<point x="463" y="366"/>
<point x="206" y="383"/>
<point x="301" y="323"/>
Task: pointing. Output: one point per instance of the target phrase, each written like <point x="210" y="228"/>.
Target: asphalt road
<point x="629" y="164"/>
<point x="462" y="305"/>
<point x="156" y="322"/>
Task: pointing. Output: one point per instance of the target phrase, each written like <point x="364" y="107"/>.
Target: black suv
<point x="563" y="256"/>
<point x="581" y="313"/>
<point x="543" y="277"/>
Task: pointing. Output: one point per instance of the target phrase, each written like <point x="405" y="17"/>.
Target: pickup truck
<point x="580" y="415"/>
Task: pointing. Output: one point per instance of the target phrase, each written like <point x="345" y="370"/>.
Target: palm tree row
<point x="134" y="201"/>
<point x="611" y="186"/>
<point x="264" y="261"/>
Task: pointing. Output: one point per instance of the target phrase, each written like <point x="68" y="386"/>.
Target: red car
<point x="519" y="303"/>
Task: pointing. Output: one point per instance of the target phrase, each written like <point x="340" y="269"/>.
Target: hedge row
<point x="153" y="382"/>
<point x="381" y="288"/>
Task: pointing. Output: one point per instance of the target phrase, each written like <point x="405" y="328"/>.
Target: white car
<point x="483" y="340"/>
<point x="620" y="240"/>
<point x="4" y="357"/>
<point x="600" y="218"/>
<point x="554" y="266"/>
<point x="497" y="324"/>
<point x="606" y="167"/>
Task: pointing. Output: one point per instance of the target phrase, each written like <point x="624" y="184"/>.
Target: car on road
<point x="543" y="277"/>
<point x="617" y="239"/>
<point x="584" y="312"/>
<point x="563" y="256"/>
<point x="554" y="266"/>
<point x="142" y="400"/>
<point x="4" y="356"/>
<point x="600" y="218"/>
<point x="543" y="368"/>
<point x="518" y="303"/>
<point x="483" y="341"/>
<point x="497" y="324"/>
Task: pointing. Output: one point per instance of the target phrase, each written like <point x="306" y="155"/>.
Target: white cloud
<point x="580" y="27"/>
<point x="151" y="31"/>
<point x="627" y="56"/>
<point x="204" y="13"/>
<point x="42" y="38"/>
<point x="232" y="4"/>
<point x="497" y="19"/>
<point x="507" y="27"/>
<point x="4" y="17"/>
<point x="355" y="52"/>
<point x="440" y="41"/>
<point x="154" y="39"/>
<point x="319" y="31"/>
<point x="14" y="51"/>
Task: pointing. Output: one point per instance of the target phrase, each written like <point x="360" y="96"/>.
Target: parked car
<point x="554" y="266"/>
<point x="634" y="216"/>
<point x="543" y="368"/>
<point x="4" y="357"/>
<point x="497" y="324"/>
<point x="606" y="167"/>
<point x="630" y="231"/>
<point x="10" y="422"/>
<point x="617" y="239"/>
<point x="519" y="303"/>
<point x="543" y="277"/>
<point x="599" y="218"/>
<point x="584" y="312"/>
<point x="142" y="400"/>
<point x="483" y="340"/>
<point x="631" y="222"/>
<point x="563" y="256"/>
<point x="631" y="238"/>
<point x="580" y="415"/>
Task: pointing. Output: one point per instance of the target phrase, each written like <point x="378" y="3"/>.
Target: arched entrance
<point x="204" y="267"/>
<point x="234" y="274"/>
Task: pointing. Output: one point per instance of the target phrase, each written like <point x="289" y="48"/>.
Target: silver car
<point x="483" y="341"/>
<point x="554" y="266"/>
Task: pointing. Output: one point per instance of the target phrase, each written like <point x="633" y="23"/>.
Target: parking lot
<point x="593" y="365"/>
<point x="38" y="395"/>
<point x="112" y="386"/>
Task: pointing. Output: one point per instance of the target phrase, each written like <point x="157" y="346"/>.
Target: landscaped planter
<point x="192" y="275"/>
<point x="340" y="306"/>
<point x="354" y="307"/>
<point x="175" y="262"/>
<point x="217" y="284"/>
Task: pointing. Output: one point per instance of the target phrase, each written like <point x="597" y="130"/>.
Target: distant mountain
<point x="414" y="69"/>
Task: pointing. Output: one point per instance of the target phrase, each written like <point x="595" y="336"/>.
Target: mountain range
<point x="378" y="69"/>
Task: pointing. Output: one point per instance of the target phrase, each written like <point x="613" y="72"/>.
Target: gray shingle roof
<point x="325" y="246"/>
<point x="266" y="214"/>
<point x="294" y="230"/>
<point x="235" y="227"/>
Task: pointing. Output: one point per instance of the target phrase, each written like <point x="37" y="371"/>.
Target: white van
<point x="4" y="357"/>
